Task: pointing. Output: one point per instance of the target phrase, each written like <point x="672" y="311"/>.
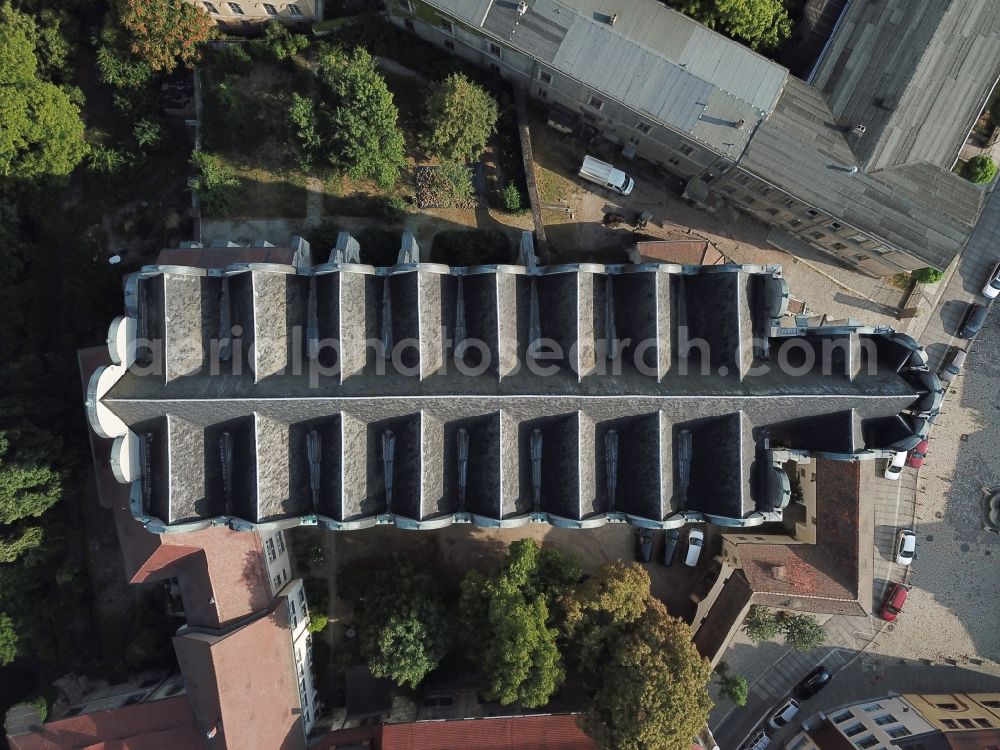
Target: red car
<point x="894" y="601"/>
<point x="918" y="455"/>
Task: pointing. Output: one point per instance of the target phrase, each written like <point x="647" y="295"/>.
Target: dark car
<point x="643" y="545"/>
<point x="918" y="455"/>
<point x="974" y="318"/>
<point x="670" y="546"/>
<point x="813" y="682"/>
<point x="894" y="601"/>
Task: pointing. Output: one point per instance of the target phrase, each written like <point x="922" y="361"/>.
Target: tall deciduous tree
<point x="28" y="487"/>
<point x="802" y="632"/>
<point x="652" y="689"/>
<point x="403" y="619"/>
<point x="8" y="640"/>
<point x="356" y="117"/>
<point x="165" y="32"/>
<point x="505" y="621"/>
<point x="760" y="624"/>
<point x="42" y="133"/>
<point x="761" y="24"/>
<point x="459" y="118"/>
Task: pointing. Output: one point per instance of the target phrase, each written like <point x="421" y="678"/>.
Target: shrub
<point x="395" y="209"/>
<point x="305" y="128"/>
<point x="761" y="624"/>
<point x="233" y="59"/>
<point x="512" y="200"/>
<point x="148" y="134"/>
<point x="446" y="186"/>
<point x="474" y="247"/>
<point x="802" y="632"/>
<point x="278" y="43"/>
<point x="317" y="622"/>
<point x="980" y="169"/>
<point x="733" y="686"/>
<point x="215" y="182"/>
<point x="927" y="275"/>
<point x="107" y="160"/>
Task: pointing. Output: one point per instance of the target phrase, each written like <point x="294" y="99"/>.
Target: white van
<point x="696" y="540"/>
<point x="606" y="175"/>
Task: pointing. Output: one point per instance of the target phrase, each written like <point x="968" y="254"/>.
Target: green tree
<point x="459" y="117"/>
<point x="927" y="275"/>
<point x="49" y="43"/>
<point x="733" y="686"/>
<point x="403" y="619"/>
<point x="356" y="117"/>
<point x="28" y="487"/>
<point x="980" y="169"/>
<point x="305" y="127"/>
<point x="512" y="200"/>
<point x="802" y="632"/>
<point x="8" y="640"/>
<point x="318" y="622"/>
<point x="652" y="687"/>
<point x="42" y="133"/>
<point x="148" y="134"/>
<point x="278" y="43"/>
<point x="761" y="624"/>
<point x="163" y="32"/>
<point x="761" y="24"/>
<point x="215" y="183"/>
<point x="506" y="624"/>
<point x="20" y="542"/>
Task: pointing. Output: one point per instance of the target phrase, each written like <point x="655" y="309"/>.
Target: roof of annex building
<point x="921" y="208"/>
<point x="536" y="418"/>
<point x="653" y="60"/>
<point x="915" y="73"/>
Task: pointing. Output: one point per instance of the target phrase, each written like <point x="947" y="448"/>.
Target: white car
<point x="906" y="546"/>
<point x="894" y="468"/>
<point x="784" y="714"/>
<point x="696" y="540"/>
<point x="992" y="288"/>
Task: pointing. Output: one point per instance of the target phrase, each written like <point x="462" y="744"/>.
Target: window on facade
<point x="270" y="9"/>
<point x="949" y="723"/>
<point x="991" y="704"/>
<point x="595" y="102"/>
<point x="835" y="225"/>
<point x="448" y="26"/>
<point x="686" y="149"/>
<point x="967" y="723"/>
<point x="869" y="741"/>
<point x="947" y="706"/>
<point x="795" y="223"/>
<point x="542" y="93"/>
<point x="295" y="10"/>
<point x="817" y="235"/>
<point x="495" y="50"/>
<point x="210" y="7"/>
<point x="677" y="163"/>
<point x="280" y="536"/>
<point x="842" y="717"/>
<point x="897" y="732"/>
<point x="495" y="68"/>
<point x="408" y="24"/>
<point x="544" y="77"/>
<point x="726" y="188"/>
<point x="839" y="246"/>
<point x="764" y="189"/>
<point x="269" y="544"/>
<point x="789" y="203"/>
<point x="749" y="200"/>
<point x="449" y="45"/>
<point x="861" y="257"/>
<point x="284" y="574"/>
<point x="742" y="179"/>
<point x="812" y="213"/>
<point x="634" y="140"/>
<point x="277" y="582"/>
<point x="643" y="127"/>
<point x="858" y="238"/>
<point x="984" y="723"/>
<point x="236" y="8"/>
<point x="854" y="729"/>
<point x="773" y="211"/>
<point x="885" y="719"/>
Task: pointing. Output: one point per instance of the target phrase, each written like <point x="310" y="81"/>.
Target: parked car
<point x="894" y="600"/>
<point x="894" y="466"/>
<point x="696" y="540"/>
<point x="813" y="682"/>
<point x="974" y="318"/>
<point x="952" y="364"/>
<point x="643" y="545"/>
<point x="906" y="546"/>
<point x="917" y="455"/>
<point x="673" y="538"/>
<point x="784" y="714"/>
<point x="992" y="288"/>
<point x="758" y="742"/>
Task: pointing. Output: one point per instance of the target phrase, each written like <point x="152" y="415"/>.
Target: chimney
<point x="779" y="573"/>
<point x="859" y="129"/>
<point x="614" y="19"/>
<point x="522" y="8"/>
<point x="739" y="124"/>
